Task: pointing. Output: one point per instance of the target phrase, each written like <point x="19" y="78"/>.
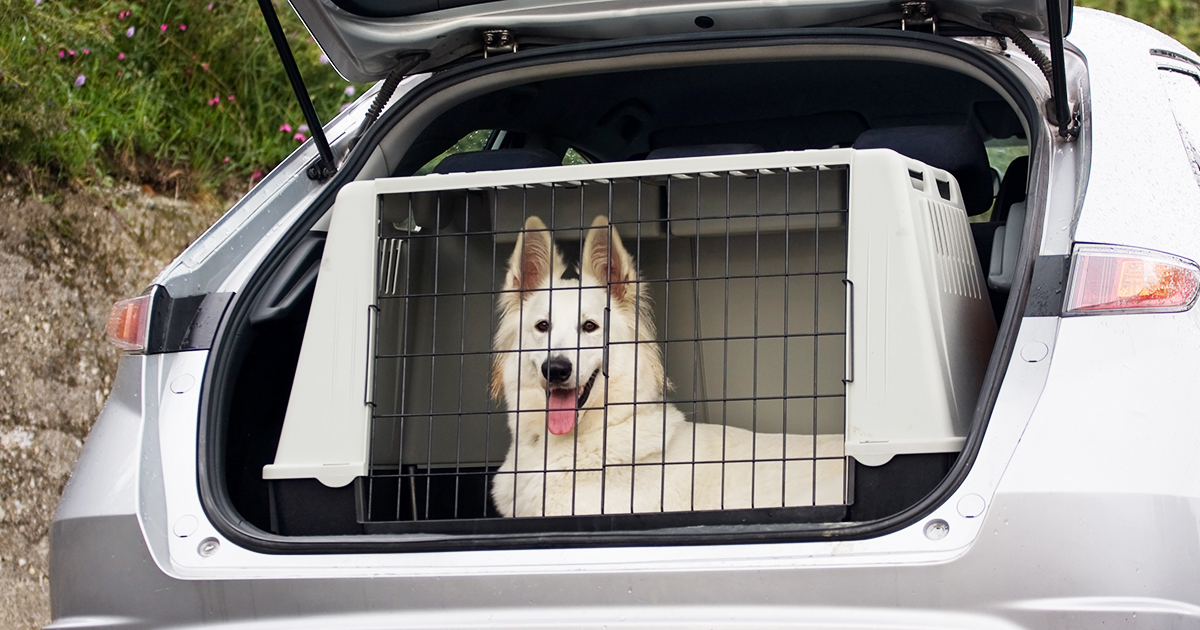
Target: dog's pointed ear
<point x="534" y="258"/>
<point x="605" y="260"/>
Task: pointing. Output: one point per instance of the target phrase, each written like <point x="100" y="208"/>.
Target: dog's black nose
<point x="556" y="369"/>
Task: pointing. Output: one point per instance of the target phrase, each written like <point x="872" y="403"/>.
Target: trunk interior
<point x="750" y="304"/>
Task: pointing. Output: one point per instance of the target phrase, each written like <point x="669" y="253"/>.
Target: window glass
<point x="474" y="141"/>
<point x="573" y="157"/>
<point x="1001" y="155"/>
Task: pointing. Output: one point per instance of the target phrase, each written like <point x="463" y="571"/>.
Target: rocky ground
<point x="64" y="260"/>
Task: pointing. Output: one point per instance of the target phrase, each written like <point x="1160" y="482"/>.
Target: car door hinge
<point x="918" y="14"/>
<point x="498" y="41"/>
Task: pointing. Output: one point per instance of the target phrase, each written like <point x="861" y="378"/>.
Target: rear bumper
<point x="1044" y="561"/>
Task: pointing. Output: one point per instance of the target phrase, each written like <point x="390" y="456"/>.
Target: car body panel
<point x="1112" y="419"/>
<point x="104" y="481"/>
<point x="165" y="576"/>
<point x="1129" y="202"/>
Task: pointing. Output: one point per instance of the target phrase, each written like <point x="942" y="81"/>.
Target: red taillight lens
<point x="128" y="323"/>
<point x="1106" y="279"/>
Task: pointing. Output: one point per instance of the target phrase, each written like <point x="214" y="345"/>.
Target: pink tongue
<point x="560" y="411"/>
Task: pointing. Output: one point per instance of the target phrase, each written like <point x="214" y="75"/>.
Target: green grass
<point x="209" y="99"/>
<point x="1178" y="18"/>
<point x="94" y="88"/>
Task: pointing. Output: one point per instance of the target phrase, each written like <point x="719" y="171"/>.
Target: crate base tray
<point x="666" y="524"/>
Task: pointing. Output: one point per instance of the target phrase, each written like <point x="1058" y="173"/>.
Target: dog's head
<point x="552" y="334"/>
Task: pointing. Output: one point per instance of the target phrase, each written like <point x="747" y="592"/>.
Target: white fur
<point x="595" y="468"/>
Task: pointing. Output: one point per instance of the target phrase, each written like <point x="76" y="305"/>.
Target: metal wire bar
<point x="718" y="278"/>
<point x="462" y="359"/>
<point x="787" y="268"/>
<point x="682" y="401"/>
<point x="487" y="431"/>
<point x="402" y="382"/>
<point x="816" y="327"/>
<point x="725" y="349"/>
<point x="437" y="276"/>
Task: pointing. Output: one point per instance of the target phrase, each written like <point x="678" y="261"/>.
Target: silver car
<point x="925" y="271"/>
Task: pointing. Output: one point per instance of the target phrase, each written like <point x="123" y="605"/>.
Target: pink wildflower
<point x="163" y="28"/>
<point x="70" y="52"/>
<point x="129" y="33"/>
<point x="120" y="56"/>
<point x="226" y="159"/>
<point x="86" y="51"/>
<point x="303" y="128"/>
<point x="183" y="27"/>
<point x="209" y="7"/>
<point x="61" y="54"/>
<point x="255" y="175"/>
<point x="79" y="80"/>
<point x="204" y="64"/>
<point x="229" y="98"/>
<point x="349" y="90"/>
<point x="286" y="128"/>
<point x="299" y="137"/>
<point x="214" y="101"/>
<point x="324" y="59"/>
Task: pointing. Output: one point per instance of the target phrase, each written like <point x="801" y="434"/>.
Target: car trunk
<point x="760" y="239"/>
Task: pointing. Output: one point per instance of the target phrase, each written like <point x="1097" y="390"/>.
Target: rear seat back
<point x="957" y="149"/>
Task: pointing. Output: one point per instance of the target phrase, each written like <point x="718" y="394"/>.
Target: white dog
<point x="587" y="440"/>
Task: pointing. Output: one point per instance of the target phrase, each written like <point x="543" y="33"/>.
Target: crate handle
<point x="848" y="377"/>
<point x="369" y="387"/>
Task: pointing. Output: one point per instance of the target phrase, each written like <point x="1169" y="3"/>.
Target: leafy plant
<point x="98" y="87"/>
<point x="149" y="89"/>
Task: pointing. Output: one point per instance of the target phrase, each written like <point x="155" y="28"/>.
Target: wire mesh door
<point x="728" y="395"/>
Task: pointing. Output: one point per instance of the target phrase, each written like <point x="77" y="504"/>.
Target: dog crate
<point x="831" y="296"/>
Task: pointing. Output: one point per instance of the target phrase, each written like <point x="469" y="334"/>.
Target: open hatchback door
<point x="364" y="38"/>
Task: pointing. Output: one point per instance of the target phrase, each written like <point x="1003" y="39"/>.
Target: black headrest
<point x="702" y="149"/>
<point x="497" y="160"/>
<point x="956" y="149"/>
<point x="1012" y="187"/>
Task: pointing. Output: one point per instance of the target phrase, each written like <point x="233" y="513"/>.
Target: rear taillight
<point x="129" y="322"/>
<point x="1109" y="279"/>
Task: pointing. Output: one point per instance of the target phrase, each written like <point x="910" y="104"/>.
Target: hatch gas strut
<point x="1068" y="126"/>
<point x="325" y="166"/>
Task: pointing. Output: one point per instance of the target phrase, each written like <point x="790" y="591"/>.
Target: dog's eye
<point x="542" y="326"/>
<point x="590" y="326"/>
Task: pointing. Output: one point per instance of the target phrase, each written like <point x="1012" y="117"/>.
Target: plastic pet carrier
<point x="828" y="304"/>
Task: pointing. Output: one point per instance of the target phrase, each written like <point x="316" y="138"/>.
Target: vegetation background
<point x="126" y="128"/>
<point x="189" y="94"/>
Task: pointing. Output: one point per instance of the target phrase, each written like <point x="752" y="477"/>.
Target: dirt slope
<point x="63" y="262"/>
